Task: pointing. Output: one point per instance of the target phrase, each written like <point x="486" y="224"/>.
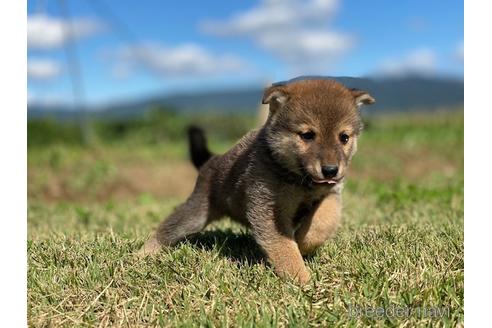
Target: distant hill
<point x="392" y="95"/>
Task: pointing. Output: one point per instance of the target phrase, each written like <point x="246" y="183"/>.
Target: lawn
<point x="399" y="250"/>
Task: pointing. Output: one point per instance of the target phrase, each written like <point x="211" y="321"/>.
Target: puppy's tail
<point x="199" y="152"/>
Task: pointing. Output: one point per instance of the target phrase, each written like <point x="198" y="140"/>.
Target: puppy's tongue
<point x="327" y="181"/>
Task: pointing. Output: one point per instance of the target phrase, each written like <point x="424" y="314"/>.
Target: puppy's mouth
<point x="332" y="181"/>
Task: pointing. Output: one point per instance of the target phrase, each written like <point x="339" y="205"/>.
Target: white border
<point x="478" y="219"/>
<point x="13" y="172"/>
<point x="478" y="164"/>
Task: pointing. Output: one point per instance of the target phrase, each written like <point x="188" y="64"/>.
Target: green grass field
<point x="400" y="247"/>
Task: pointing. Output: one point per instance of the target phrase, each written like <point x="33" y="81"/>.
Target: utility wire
<point x="108" y="14"/>
<point x="41" y="7"/>
<point x="78" y="89"/>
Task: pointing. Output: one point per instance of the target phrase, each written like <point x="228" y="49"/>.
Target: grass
<point x="400" y="245"/>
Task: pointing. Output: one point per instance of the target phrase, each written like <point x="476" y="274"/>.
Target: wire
<point x="106" y="12"/>
<point x="75" y="74"/>
<point x="41" y="7"/>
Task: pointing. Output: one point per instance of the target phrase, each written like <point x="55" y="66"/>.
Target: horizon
<point x="213" y="89"/>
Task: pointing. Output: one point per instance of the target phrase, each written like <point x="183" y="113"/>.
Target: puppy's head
<point x="313" y="126"/>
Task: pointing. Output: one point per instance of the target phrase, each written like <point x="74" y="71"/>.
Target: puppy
<point x="283" y="181"/>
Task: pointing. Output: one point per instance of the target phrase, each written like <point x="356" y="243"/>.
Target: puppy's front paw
<point x="299" y="275"/>
<point x="303" y="277"/>
<point x="151" y="247"/>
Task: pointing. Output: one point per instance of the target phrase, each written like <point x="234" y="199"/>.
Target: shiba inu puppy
<point x="283" y="181"/>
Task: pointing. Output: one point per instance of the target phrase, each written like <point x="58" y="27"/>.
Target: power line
<point x="41" y="7"/>
<point x="75" y="74"/>
<point x="78" y="89"/>
<point x="105" y="11"/>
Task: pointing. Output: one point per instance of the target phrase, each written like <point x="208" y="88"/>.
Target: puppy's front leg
<point x="320" y="224"/>
<point x="285" y="257"/>
<point x="278" y="242"/>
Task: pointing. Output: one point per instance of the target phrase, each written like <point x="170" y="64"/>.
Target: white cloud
<point x="186" y="60"/>
<point x="271" y="15"/>
<point x="42" y="69"/>
<point x="422" y="61"/>
<point x="46" y="100"/>
<point x="311" y="51"/>
<point x="46" y="32"/>
<point x="296" y="31"/>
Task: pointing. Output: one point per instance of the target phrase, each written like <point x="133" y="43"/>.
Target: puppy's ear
<point x="276" y="96"/>
<point x="362" y="97"/>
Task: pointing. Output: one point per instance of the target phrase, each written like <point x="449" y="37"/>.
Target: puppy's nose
<point x="329" y="171"/>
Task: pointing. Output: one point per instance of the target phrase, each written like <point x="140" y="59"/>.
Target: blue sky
<point x="169" y="46"/>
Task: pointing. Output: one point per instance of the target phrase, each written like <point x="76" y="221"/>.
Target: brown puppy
<point x="284" y="181"/>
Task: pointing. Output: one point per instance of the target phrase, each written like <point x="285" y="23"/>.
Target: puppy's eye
<point x="307" y="136"/>
<point x="344" y="138"/>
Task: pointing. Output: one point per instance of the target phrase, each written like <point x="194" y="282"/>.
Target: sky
<point x="131" y="49"/>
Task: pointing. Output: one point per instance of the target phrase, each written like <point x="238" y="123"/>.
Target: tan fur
<point x="270" y="180"/>
<point x="320" y="225"/>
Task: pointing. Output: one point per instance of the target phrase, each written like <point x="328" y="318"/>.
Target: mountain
<point x="392" y="95"/>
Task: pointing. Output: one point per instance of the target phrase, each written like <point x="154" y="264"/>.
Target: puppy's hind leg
<point x="187" y="219"/>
